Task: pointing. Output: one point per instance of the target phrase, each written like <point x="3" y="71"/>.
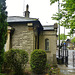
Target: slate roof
<point x="48" y="27"/>
<point x="20" y="19"/>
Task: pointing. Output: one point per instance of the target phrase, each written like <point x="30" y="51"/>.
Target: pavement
<point x="70" y="70"/>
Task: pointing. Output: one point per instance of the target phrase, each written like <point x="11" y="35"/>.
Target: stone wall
<point x="51" y="35"/>
<point x="23" y="38"/>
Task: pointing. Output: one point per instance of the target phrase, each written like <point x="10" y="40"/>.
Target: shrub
<point x="16" y="59"/>
<point x="38" y="61"/>
<point x="2" y="74"/>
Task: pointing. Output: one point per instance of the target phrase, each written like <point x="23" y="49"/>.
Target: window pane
<point x="46" y="44"/>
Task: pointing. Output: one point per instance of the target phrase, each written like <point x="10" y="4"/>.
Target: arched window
<point x="46" y="44"/>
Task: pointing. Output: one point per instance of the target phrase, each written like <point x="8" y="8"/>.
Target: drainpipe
<point x="35" y="42"/>
<point x="38" y="39"/>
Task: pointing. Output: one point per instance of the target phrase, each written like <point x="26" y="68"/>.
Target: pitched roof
<point x="20" y="19"/>
<point x="48" y="27"/>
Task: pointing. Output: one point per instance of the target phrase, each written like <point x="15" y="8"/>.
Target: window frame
<point x="46" y="44"/>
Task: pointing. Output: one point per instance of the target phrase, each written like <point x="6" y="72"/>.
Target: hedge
<point x="16" y="59"/>
<point x="38" y="61"/>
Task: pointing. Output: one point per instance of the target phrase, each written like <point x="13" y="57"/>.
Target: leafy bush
<point x="38" y="61"/>
<point x="2" y="74"/>
<point x="16" y="59"/>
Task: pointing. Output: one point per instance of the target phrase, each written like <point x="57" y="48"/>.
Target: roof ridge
<point x="23" y="17"/>
<point x="47" y="25"/>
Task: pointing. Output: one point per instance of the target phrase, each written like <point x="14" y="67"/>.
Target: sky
<point x="40" y="9"/>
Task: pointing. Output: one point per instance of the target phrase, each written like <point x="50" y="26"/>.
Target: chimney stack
<point x="27" y="12"/>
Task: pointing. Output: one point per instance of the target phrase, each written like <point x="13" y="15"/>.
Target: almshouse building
<point x="28" y="34"/>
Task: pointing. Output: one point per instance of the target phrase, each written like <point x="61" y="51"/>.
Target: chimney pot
<point x="27" y="12"/>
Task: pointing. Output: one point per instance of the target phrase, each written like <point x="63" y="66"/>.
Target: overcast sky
<point x="38" y="9"/>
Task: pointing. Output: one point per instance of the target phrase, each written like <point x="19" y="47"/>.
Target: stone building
<point x="28" y="34"/>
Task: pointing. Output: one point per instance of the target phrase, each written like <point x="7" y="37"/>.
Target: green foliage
<point x="63" y="36"/>
<point x="2" y="74"/>
<point x="38" y="61"/>
<point x="66" y="15"/>
<point x="16" y="59"/>
<point x="73" y="40"/>
<point x="3" y="30"/>
<point x="53" y="1"/>
<point x="54" y="70"/>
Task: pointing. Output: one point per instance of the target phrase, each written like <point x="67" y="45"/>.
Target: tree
<point x="63" y="37"/>
<point x="3" y="30"/>
<point x="66" y="15"/>
<point x="73" y="40"/>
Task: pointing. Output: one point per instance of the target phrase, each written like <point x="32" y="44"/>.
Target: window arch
<point x="46" y="44"/>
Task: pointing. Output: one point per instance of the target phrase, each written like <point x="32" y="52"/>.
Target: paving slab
<point x="66" y="70"/>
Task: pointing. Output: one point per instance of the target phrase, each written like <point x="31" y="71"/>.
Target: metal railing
<point x="73" y="59"/>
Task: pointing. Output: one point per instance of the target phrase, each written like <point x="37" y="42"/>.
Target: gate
<point x="73" y="59"/>
<point x="63" y="57"/>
